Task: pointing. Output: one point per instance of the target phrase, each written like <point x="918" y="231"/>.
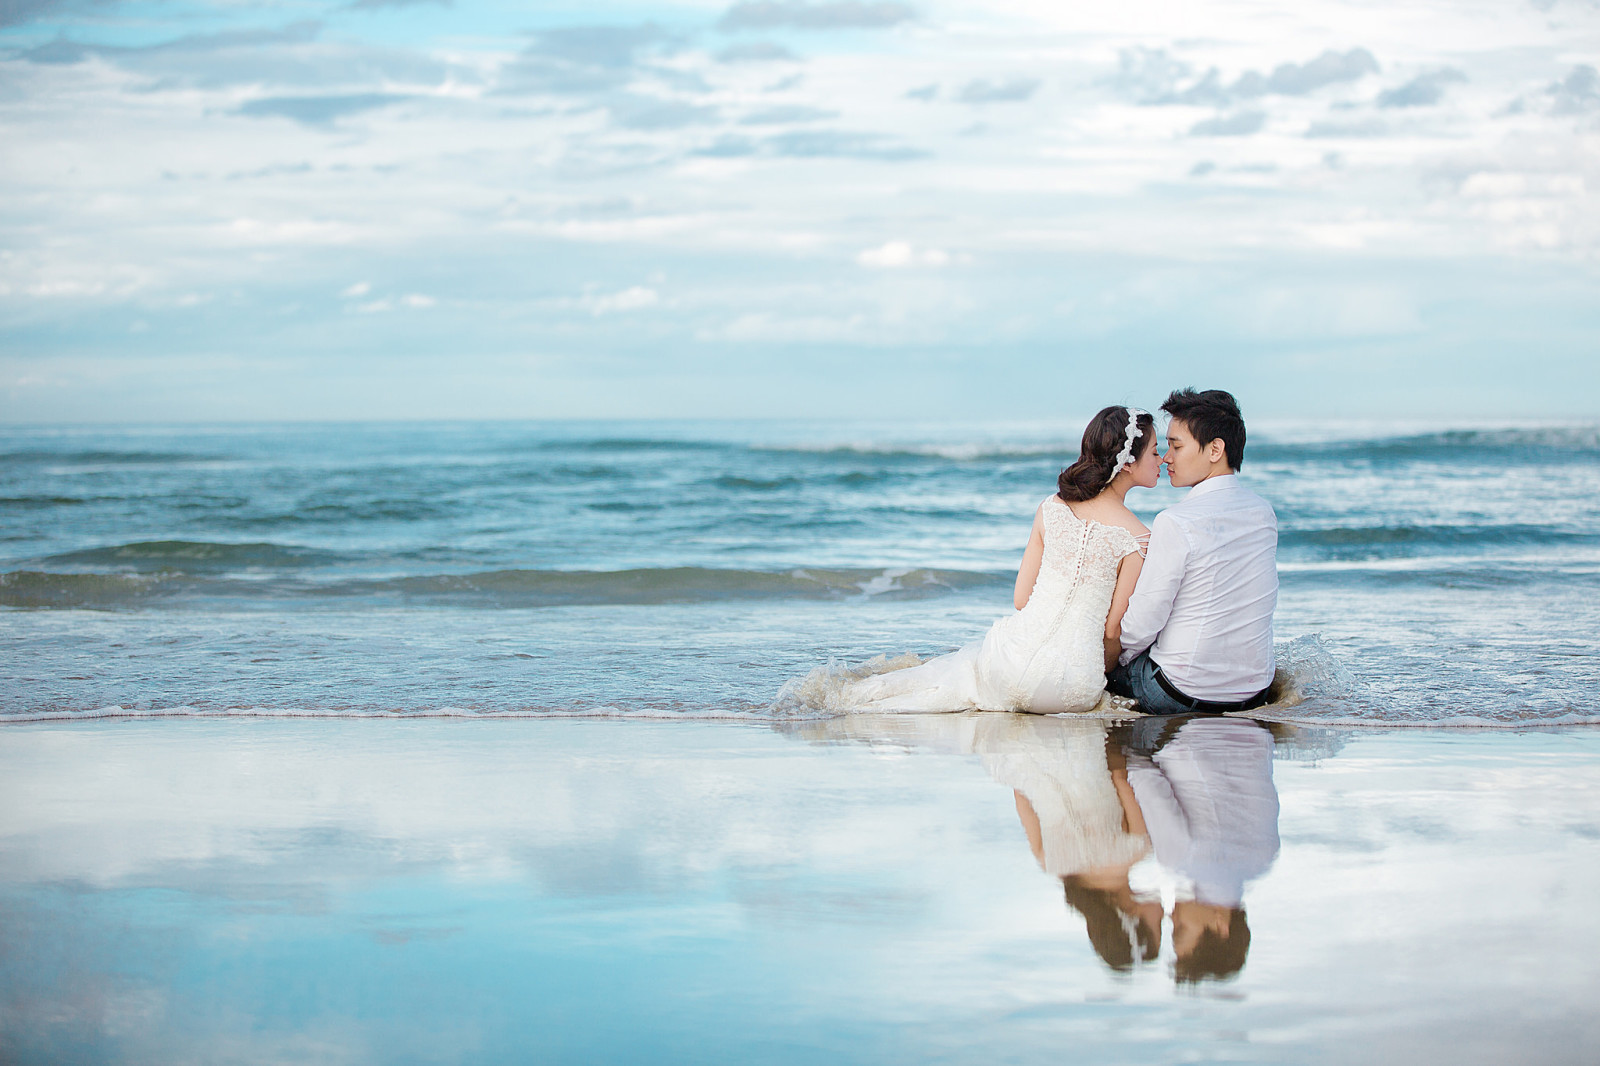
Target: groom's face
<point x="1187" y="462"/>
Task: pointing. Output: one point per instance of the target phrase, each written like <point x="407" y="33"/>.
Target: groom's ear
<point x="1216" y="450"/>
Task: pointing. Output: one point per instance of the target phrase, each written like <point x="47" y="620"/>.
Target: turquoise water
<point x="690" y="569"/>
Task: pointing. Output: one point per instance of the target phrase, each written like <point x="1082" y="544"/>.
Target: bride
<point x="1077" y="573"/>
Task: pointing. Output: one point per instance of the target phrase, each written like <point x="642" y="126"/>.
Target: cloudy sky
<point x="228" y="209"/>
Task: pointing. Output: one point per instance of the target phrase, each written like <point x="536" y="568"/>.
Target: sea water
<point x="1443" y="574"/>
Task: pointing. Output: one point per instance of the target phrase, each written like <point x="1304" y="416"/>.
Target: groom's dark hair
<point x="1210" y="415"/>
<point x="1215" y="957"/>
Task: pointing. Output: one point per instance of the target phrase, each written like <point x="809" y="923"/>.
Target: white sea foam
<point x="821" y="691"/>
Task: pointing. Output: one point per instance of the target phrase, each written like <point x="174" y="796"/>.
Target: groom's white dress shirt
<point x="1210" y="805"/>
<point x="1203" y="604"/>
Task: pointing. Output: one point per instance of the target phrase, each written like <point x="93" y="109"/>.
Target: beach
<point x="248" y="890"/>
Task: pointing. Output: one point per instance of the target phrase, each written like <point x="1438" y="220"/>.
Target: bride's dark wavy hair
<point x="1103" y="439"/>
<point x="1119" y="939"/>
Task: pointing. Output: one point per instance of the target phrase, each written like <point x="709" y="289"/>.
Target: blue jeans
<point x="1136" y="680"/>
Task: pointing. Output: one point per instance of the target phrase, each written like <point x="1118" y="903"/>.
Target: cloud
<point x="1241" y="124"/>
<point x="62" y="50"/>
<point x="1147" y="75"/>
<point x="18" y="12"/>
<point x="1153" y="77"/>
<point x="615" y="47"/>
<point x="756" y="52"/>
<point x="1367" y="127"/>
<point x="1329" y="68"/>
<point x="1577" y="93"/>
<point x="636" y="298"/>
<point x="274" y="170"/>
<point x="729" y="147"/>
<point x="1208" y="91"/>
<point x="379" y="5"/>
<point x="841" y="144"/>
<point x="317" y="110"/>
<point x="813" y="144"/>
<point x="995" y="92"/>
<point x="416" y="301"/>
<point x="652" y="113"/>
<point x="786" y="114"/>
<point x="1424" y="90"/>
<point x="581" y="59"/>
<point x="926" y="92"/>
<point x="265" y="61"/>
<point x="837" y="15"/>
<point x="763" y="327"/>
<point x="895" y="254"/>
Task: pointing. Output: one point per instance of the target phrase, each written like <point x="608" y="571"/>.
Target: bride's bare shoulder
<point x="1130" y="521"/>
<point x="1039" y="513"/>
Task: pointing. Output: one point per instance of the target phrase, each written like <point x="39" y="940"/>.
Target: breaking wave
<point x="153" y="582"/>
<point x="1532" y="444"/>
<point x="194" y="557"/>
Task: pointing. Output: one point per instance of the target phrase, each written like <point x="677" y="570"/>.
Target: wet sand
<point x="855" y="890"/>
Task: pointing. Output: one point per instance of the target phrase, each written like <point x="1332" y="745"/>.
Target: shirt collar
<point x="1215" y="484"/>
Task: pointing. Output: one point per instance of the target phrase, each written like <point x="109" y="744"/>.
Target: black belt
<point x="1260" y="699"/>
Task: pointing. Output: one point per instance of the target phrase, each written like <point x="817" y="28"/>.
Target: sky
<point x="216" y="210"/>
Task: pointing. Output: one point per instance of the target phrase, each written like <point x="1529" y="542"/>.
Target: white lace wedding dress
<point x="1046" y="658"/>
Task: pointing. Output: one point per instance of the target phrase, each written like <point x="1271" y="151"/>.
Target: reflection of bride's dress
<point x="1060" y="766"/>
<point x="1045" y="658"/>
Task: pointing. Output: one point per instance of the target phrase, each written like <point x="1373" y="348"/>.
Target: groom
<point x="1197" y="635"/>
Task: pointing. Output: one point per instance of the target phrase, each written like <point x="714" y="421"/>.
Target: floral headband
<point x="1125" y="456"/>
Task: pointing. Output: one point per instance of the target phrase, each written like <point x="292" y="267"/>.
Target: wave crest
<point x="202" y="575"/>
<point x="194" y="556"/>
<point x="1531" y="443"/>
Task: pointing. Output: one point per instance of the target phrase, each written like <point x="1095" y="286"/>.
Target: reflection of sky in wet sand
<point x="366" y="891"/>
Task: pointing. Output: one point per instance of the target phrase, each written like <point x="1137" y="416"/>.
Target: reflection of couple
<point x="1181" y="615"/>
<point x="1197" y="792"/>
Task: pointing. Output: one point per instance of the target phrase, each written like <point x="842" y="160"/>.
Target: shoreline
<point x="1577" y="720"/>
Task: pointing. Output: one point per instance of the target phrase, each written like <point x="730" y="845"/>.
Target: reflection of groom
<point x="1197" y="634"/>
<point x="1205" y="794"/>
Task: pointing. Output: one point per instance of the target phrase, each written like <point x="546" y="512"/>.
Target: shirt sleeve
<point x="1164" y="819"/>
<point x="1151" y="603"/>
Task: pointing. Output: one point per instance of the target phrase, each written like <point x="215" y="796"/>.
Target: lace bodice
<point x="1082" y="553"/>
<point x="1064" y="620"/>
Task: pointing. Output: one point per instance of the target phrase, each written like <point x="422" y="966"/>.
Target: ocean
<point x="1431" y="574"/>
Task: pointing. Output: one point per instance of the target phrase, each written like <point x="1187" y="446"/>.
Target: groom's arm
<point x="1151" y="603"/>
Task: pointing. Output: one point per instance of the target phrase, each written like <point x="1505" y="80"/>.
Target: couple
<point x="1177" y="618"/>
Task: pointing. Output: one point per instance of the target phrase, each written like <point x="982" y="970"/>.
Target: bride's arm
<point x="1028" y="572"/>
<point x="1127" y="577"/>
